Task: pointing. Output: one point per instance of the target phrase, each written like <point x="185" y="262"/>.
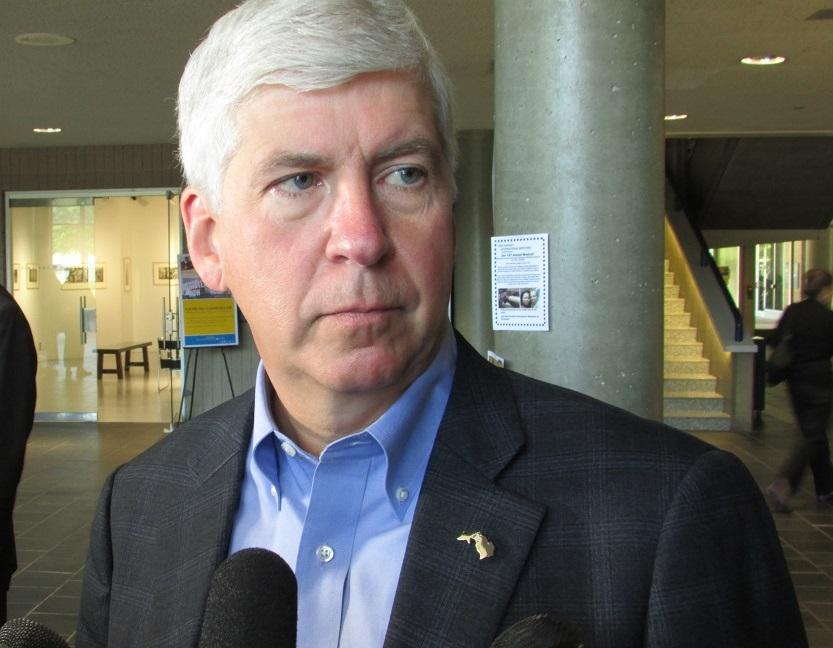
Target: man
<point x="421" y="496"/>
<point x="18" y="366"/>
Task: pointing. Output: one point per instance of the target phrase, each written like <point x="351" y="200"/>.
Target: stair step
<point x="698" y="366"/>
<point x="692" y="382"/>
<point x="674" y="305"/>
<point x="692" y="401"/>
<point x="683" y="350"/>
<point x="669" y="279"/>
<point x="688" y="420"/>
<point x="671" y="291"/>
<point x="680" y="335"/>
<point x="677" y="320"/>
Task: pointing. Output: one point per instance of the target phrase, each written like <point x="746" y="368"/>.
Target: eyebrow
<point x="417" y="145"/>
<point x="284" y="159"/>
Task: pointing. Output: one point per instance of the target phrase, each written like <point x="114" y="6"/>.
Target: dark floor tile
<point x="801" y="565"/>
<point x="59" y="605"/>
<point x="68" y="564"/>
<point x="820" y="558"/>
<point x="820" y="637"/>
<point x="63" y="624"/>
<point x="810" y="540"/>
<point x="809" y="595"/>
<point x="33" y="578"/>
<point x="18" y="610"/>
<point x="811" y="621"/>
<point x="812" y="580"/>
<point x="24" y="595"/>
<point x="70" y="588"/>
<point x="822" y="611"/>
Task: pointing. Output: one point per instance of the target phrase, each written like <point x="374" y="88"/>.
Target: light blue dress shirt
<point x="341" y="521"/>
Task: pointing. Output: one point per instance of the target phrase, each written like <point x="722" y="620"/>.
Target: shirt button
<point x="402" y="494"/>
<point x="274" y="491"/>
<point x="288" y="449"/>
<point x="324" y="553"/>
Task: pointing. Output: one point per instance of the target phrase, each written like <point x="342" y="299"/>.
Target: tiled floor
<point x="74" y="387"/>
<point x="66" y="464"/>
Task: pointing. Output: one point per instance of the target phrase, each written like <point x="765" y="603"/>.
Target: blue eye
<point x="299" y="182"/>
<point x="406" y="176"/>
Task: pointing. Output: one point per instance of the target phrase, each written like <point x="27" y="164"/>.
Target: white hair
<point x="304" y="45"/>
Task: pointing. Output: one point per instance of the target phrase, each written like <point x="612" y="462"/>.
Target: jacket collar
<point x="446" y="594"/>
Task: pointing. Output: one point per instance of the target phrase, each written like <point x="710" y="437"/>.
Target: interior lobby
<point x="90" y="236"/>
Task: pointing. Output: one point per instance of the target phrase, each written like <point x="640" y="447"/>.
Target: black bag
<point x="780" y="361"/>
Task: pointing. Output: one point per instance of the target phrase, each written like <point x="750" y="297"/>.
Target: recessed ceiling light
<point x="763" y="60"/>
<point x="46" y="130"/>
<point x="676" y="117"/>
<point x="39" y="39"/>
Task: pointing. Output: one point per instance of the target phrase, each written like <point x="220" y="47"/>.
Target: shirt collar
<point x="405" y="432"/>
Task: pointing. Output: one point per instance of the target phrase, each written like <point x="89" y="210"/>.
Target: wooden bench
<point x="116" y="350"/>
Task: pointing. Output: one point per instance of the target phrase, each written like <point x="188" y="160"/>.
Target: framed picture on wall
<point x="164" y="272"/>
<point x="16" y="276"/>
<point x="31" y="275"/>
<point x="126" y="274"/>
<point x="78" y="278"/>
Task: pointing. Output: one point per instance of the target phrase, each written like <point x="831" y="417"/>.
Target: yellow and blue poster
<point x="209" y="318"/>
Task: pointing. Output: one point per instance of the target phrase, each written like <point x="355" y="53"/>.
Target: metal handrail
<point x="707" y="260"/>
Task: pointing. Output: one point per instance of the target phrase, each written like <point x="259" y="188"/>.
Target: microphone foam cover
<point x="25" y="633"/>
<point x="252" y="602"/>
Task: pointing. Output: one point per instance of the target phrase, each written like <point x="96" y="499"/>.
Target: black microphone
<point x="25" y="633"/>
<point x="539" y="631"/>
<point x="252" y="603"/>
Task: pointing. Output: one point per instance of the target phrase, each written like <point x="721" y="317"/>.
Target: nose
<point x="357" y="228"/>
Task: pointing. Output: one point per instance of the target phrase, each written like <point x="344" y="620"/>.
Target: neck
<point x="315" y="422"/>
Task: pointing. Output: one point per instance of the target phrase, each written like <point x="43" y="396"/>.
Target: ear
<point x="201" y="230"/>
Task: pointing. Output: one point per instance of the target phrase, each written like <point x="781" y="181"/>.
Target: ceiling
<point x="116" y="84"/>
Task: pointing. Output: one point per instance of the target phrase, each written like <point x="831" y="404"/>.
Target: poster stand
<point x="187" y="401"/>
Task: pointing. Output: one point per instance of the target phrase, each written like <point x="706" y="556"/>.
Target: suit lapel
<point x="194" y="534"/>
<point x="446" y="595"/>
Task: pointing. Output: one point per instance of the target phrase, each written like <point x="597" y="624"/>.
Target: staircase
<point x="690" y="398"/>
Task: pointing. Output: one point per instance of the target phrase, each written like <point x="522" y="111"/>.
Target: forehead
<point x="370" y="111"/>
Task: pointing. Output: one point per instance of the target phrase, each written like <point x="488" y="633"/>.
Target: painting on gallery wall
<point x="15" y="277"/>
<point x="126" y="274"/>
<point x="163" y="273"/>
<point x="31" y="275"/>
<point x="78" y="278"/>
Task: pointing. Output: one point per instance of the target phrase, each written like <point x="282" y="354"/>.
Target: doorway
<point x="97" y="270"/>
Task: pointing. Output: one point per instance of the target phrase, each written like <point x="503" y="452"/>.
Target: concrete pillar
<point x="579" y="153"/>
<point x="473" y="229"/>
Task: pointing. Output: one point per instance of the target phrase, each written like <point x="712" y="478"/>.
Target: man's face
<point x="335" y="234"/>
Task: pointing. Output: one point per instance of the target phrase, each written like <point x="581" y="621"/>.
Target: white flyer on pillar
<point x="520" y="283"/>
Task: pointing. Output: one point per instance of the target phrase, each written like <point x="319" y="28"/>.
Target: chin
<point x="370" y="372"/>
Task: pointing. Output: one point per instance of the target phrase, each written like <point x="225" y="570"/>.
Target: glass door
<point x="95" y="276"/>
<point x="58" y="280"/>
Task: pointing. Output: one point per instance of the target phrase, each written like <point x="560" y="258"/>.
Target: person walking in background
<point x="18" y="365"/>
<point x="807" y="326"/>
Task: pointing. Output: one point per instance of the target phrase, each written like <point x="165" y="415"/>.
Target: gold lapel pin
<point x="484" y="546"/>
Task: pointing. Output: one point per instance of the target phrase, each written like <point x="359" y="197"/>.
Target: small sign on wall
<point x="209" y="318"/>
<point x="520" y="289"/>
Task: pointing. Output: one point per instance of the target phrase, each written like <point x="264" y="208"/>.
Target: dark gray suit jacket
<point x="18" y="367"/>
<point x="634" y="532"/>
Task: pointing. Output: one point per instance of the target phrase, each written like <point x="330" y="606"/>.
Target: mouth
<point x="360" y="313"/>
